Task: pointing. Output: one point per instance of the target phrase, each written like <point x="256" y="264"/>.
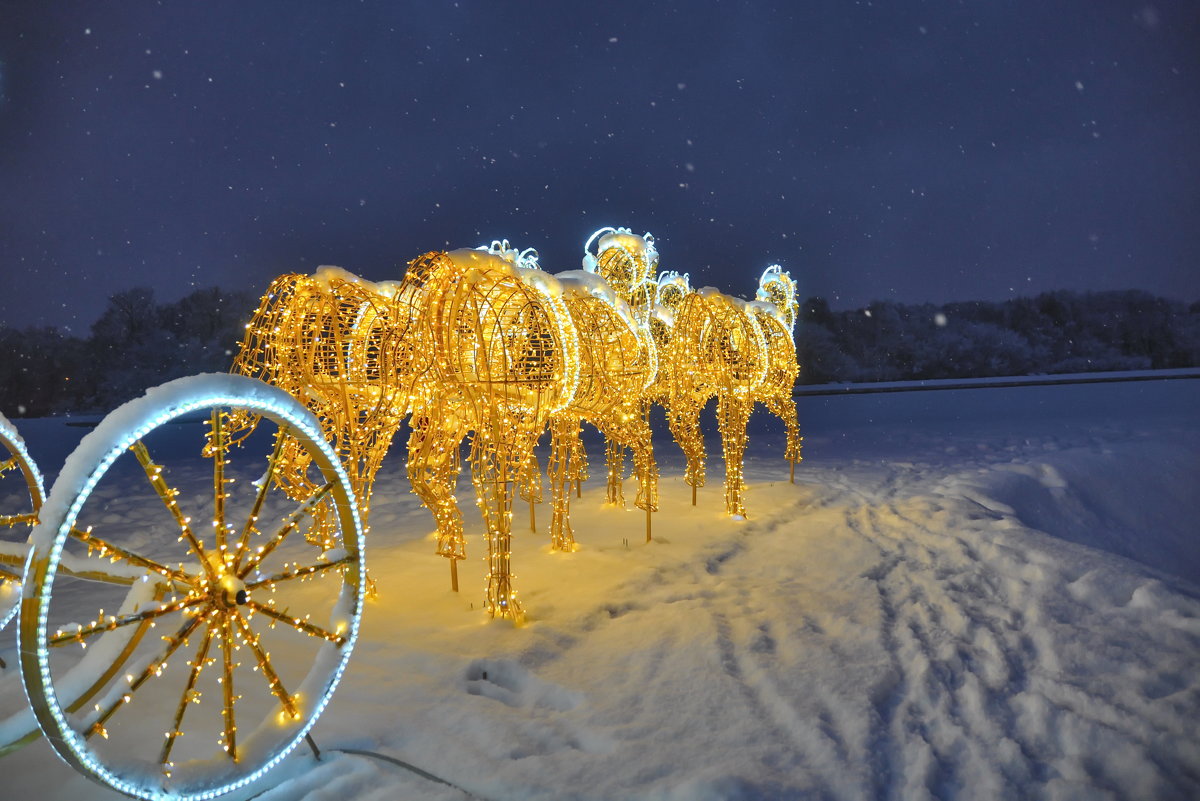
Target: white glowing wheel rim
<point x="16" y="522"/>
<point x="267" y="741"/>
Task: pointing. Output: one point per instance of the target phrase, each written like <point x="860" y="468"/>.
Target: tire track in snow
<point x="1023" y="655"/>
<point x="742" y="637"/>
<point x="934" y="708"/>
<point x="888" y="760"/>
<point x="999" y="656"/>
<point x="1022" y="665"/>
<point x="820" y="752"/>
<point x="939" y="717"/>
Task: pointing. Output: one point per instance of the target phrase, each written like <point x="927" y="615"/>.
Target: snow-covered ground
<point x="966" y="594"/>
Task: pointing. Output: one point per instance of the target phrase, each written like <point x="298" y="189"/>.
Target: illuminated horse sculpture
<point x="618" y="363"/>
<point x="341" y="345"/>
<point x="709" y="345"/>
<point x="716" y="348"/>
<point x="670" y="290"/>
<point x="775" y="309"/>
<point x="505" y="357"/>
<point x="543" y="351"/>
<point x="627" y="263"/>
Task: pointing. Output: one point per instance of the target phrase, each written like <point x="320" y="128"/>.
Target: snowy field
<point x="966" y="594"/>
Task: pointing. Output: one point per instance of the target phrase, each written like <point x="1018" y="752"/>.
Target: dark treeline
<point x="135" y="344"/>
<point x="1056" y="332"/>
<point x="138" y="343"/>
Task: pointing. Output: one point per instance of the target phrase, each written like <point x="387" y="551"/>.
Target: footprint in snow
<point x="509" y="683"/>
<point x="540" y="726"/>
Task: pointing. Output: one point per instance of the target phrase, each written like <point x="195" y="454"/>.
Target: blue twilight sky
<point x="911" y="151"/>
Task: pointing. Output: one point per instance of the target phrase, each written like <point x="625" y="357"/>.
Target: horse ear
<point x="589" y="262"/>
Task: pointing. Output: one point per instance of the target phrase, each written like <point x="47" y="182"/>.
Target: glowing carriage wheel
<point x="257" y="596"/>
<point x="16" y="466"/>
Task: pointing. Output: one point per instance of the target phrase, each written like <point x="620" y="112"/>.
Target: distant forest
<point x="138" y="343"/>
<point x="1055" y="332"/>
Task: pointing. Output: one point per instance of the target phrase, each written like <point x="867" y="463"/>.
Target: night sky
<point x="909" y="151"/>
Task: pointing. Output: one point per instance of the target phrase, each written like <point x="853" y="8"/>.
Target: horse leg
<point x="577" y="460"/>
<point x="433" y="471"/>
<point x="683" y="418"/>
<point x="615" y="456"/>
<point x="733" y="413"/>
<point x="564" y="436"/>
<point x="530" y="481"/>
<point x="494" y="470"/>
<point x="640" y="439"/>
<point x="784" y="407"/>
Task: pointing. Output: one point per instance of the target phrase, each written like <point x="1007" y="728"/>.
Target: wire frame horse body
<point x="627" y="262"/>
<point x="505" y="358"/>
<point x="343" y="347"/>
<point x="670" y="290"/>
<point x="618" y="362"/>
<point x="775" y="309"/>
<point x="716" y="348"/>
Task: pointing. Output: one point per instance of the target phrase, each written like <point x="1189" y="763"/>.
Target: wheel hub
<point x="231" y="591"/>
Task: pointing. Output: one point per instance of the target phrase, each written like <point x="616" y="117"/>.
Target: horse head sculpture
<point x="627" y="261"/>
<point x="777" y="287"/>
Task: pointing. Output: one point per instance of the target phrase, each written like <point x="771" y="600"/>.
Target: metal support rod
<point x="454" y="574"/>
<point x="313" y="745"/>
<point x="648" y="523"/>
<point x="693" y="495"/>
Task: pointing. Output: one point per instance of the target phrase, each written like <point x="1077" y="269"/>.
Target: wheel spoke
<point x="288" y="526"/>
<point x="113" y="622"/>
<point x="299" y="572"/>
<point x="115" y="552"/>
<point x="168" y="495"/>
<point x="268" y="477"/>
<point x="99" y="575"/>
<point x="218" y="442"/>
<point x="230" y="743"/>
<point x="298" y="624"/>
<point x="114" y="667"/>
<point x="8" y="464"/>
<point x="155" y="668"/>
<point x="13" y="554"/>
<point x="264" y="663"/>
<point x="189" y="696"/>
<point x="16" y="520"/>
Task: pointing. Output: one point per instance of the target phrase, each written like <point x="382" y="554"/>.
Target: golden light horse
<point x="627" y="262"/>
<point x="775" y="308"/>
<point x="505" y="358"/>
<point x="618" y="363"/>
<point x="342" y="346"/>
